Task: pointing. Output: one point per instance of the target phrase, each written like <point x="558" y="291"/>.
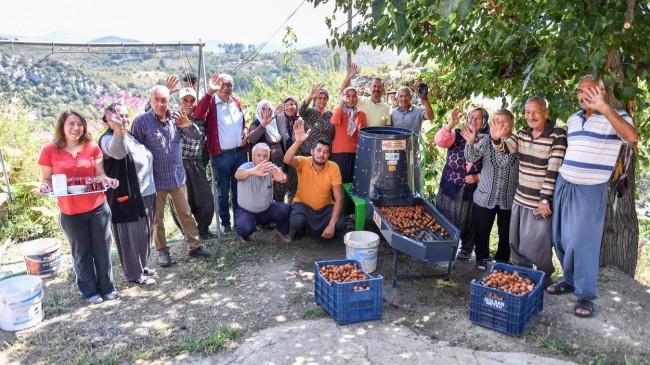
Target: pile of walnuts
<point x="344" y="274"/>
<point x="412" y="221"/>
<point x="509" y="282"/>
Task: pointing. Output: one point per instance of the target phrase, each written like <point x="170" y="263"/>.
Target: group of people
<point x="546" y="186"/>
<point x="287" y="168"/>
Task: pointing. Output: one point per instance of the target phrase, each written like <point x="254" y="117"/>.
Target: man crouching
<point x="313" y="210"/>
<point x="255" y="199"/>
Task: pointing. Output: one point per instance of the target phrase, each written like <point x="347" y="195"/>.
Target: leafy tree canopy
<point x="511" y="47"/>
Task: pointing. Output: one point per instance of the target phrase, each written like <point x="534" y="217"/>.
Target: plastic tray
<point x="52" y="195"/>
<point x="502" y="311"/>
<point x="343" y="303"/>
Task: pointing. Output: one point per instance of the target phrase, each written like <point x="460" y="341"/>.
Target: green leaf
<point x="447" y="7"/>
<point x="378" y="9"/>
<point x="464" y="7"/>
<point x="400" y="5"/>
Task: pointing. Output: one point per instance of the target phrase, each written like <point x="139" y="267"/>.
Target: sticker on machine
<point x="394" y="156"/>
<point x="376" y="219"/>
<point x="393" y="145"/>
<point x="391" y="162"/>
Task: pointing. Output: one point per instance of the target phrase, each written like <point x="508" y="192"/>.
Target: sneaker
<point x="164" y="259"/>
<point x="95" y="299"/>
<point x="143" y="281"/>
<point x="201" y="252"/>
<point x="110" y="296"/>
<point x="282" y="237"/>
<point x="481" y="265"/>
<point x="147" y="271"/>
<point x="226" y="229"/>
<point x="298" y="235"/>
<point x="208" y="236"/>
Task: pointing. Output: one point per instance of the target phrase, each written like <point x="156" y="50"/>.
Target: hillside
<point x="75" y="77"/>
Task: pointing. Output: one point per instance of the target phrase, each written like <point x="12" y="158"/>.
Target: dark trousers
<point x="199" y="196"/>
<point x="484" y="218"/>
<point x="306" y="220"/>
<point x="224" y="167"/>
<point x="246" y="221"/>
<point x="89" y="235"/>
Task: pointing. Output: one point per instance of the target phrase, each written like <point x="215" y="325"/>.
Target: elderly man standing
<point x="595" y="136"/>
<point x="540" y="148"/>
<point x="255" y="198"/>
<point x="313" y="210"/>
<point x="227" y="138"/>
<point x="411" y="117"/>
<point x="160" y="132"/>
<point x="377" y="111"/>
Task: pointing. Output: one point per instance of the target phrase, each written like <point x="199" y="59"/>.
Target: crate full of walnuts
<point x="346" y="292"/>
<point x="507" y="299"/>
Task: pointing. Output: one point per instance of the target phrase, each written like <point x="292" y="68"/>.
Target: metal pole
<point x="98" y="45"/>
<point x="4" y="171"/>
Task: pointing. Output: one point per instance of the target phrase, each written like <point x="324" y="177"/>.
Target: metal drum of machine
<point x="383" y="175"/>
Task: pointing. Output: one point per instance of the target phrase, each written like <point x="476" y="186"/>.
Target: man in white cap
<point x="199" y="193"/>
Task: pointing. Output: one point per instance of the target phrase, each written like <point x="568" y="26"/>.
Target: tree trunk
<point x="621" y="232"/>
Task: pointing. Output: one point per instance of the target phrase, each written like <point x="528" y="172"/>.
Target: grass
<point x="314" y="313"/>
<point x="212" y="343"/>
<point x="614" y="357"/>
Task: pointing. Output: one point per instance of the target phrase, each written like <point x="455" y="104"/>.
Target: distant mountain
<point x="114" y="39"/>
<point x="62" y="37"/>
<point x="365" y="56"/>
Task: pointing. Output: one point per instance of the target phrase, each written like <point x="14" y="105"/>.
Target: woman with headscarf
<point x="459" y="176"/>
<point x="266" y="129"/>
<point x="286" y="116"/>
<point x="495" y="192"/>
<point x="347" y="121"/>
<point x="133" y="203"/>
<point x="317" y="119"/>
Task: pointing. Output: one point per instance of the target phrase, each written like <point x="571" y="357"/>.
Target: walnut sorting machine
<point x="384" y="176"/>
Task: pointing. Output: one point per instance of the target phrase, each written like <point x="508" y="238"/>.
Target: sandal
<point x="147" y="271"/>
<point x="584" y="304"/>
<point x="481" y="265"/>
<point x="463" y="254"/>
<point x="560" y="288"/>
<point x="143" y="281"/>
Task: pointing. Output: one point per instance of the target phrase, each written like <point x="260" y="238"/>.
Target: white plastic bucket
<point x="42" y="257"/>
<point x="20" y="302"/>
<point x="362" y="246"/>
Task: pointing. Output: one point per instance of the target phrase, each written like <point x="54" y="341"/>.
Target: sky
<point x="238" y="21"/>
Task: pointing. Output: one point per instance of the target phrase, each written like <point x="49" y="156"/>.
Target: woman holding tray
<point x="84" y="218"/>
<point x="133" y="202"/>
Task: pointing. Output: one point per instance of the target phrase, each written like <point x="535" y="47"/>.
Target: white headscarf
<point x="351" y="112"/>
<point x="272" y="133"/>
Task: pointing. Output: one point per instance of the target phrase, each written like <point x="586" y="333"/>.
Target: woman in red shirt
<point x="85" y="219"/>
<point x="347" y="121"/>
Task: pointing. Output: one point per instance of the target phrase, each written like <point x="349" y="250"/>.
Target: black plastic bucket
<point x="384" y="163"/>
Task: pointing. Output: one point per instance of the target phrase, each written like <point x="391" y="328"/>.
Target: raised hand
<point x="277" y="173"/>
<point x="315" y="91"/>
<point x="172" y="84"/>
<point x="352" y="70"/>
<point x="115" y="122"/>
<point x="262" y="169"/>
<point x="468" y="134"/>
<point x="497" y="129"/>
<point x="595" y="99"/>
<point x="455" y="116"/>
<point x="183" y="121"/>
<point x="267" y="116"/>
<point x="214" y="83"/>
<point x="279" y="109"/>
<point x="299" y="131"/>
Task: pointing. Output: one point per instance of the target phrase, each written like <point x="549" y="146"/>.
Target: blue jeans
<point x="277" y="213"/>
<point x="224" y="167"/>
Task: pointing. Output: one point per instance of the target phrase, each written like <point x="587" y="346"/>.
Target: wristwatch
<point x="544" y="201"/>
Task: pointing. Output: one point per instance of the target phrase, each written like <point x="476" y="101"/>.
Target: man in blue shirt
<point x="160" y="131"/>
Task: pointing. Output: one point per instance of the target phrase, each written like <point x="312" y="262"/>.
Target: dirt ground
<point x="257" y="285"/>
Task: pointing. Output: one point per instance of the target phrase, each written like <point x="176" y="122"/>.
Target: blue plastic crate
<point x="343" y="303"/>
<point x="502" y="311"/>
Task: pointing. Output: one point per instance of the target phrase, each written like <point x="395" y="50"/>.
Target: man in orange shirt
<point x="313" y="211"/>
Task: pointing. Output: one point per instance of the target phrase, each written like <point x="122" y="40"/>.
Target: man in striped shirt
<point x="540" y="148"/>
<point x="595" y="136"/>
